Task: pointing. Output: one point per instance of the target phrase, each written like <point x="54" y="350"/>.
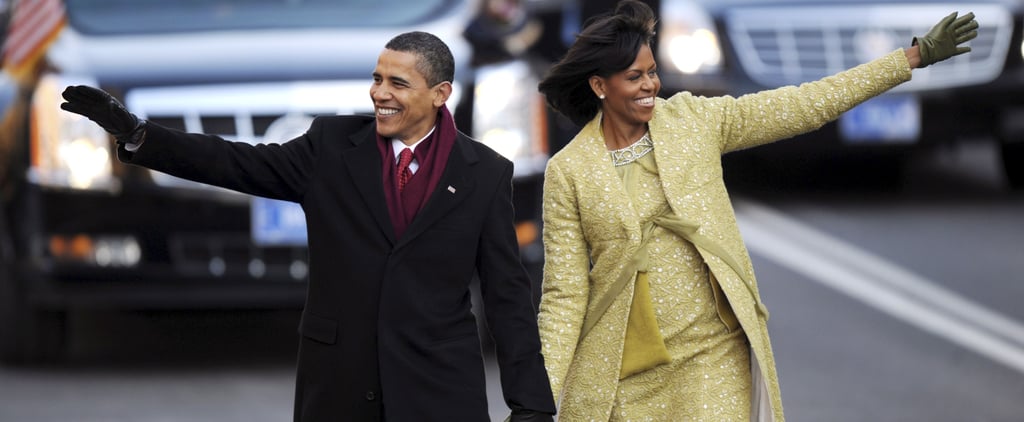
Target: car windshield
<point x="116" y="17"/>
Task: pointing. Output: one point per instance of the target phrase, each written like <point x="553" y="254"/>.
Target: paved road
<point x="887" y="304"/>
<point x="896" y="304"/>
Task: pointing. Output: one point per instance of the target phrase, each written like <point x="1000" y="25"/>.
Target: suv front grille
<point x="232" y="256"/>
<point x="245" y="112"/>
<point x="250" y="128"/>
<point x="792" y="45"/>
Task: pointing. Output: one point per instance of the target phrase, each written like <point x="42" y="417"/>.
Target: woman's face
<point x="629" y="94"/>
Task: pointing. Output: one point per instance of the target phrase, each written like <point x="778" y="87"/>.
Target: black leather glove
<point x="523" y="415"/>
<point x="106" y="111"/>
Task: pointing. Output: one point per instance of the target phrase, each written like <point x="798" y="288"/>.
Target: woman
<point x="650" y="309"/>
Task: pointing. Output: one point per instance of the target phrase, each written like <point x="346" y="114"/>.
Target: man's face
<point x="404" y="104"/>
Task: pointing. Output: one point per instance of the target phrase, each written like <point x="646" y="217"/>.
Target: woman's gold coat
<point x="591" y="228"/>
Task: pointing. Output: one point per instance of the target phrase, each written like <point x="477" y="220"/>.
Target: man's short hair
<point x="434" y="59"/>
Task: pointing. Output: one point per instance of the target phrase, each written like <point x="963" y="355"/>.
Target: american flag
<point x="33" y="26"/>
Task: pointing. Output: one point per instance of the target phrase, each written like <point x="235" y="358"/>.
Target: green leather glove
<point x="105" y="110"/>
<point x="944" y="40"/>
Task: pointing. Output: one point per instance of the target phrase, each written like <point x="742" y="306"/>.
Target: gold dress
<point x="708" y="377"/>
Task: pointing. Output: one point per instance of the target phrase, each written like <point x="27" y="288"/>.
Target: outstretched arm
<point x="278" y="171"/>
<point x="784" y="112"/>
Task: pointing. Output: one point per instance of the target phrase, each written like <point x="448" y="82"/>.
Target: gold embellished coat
<point x="591" y="229"/>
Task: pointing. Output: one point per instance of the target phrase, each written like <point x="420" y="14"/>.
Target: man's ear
<point x="442" y="91"/>
<point x="597" y="85"/>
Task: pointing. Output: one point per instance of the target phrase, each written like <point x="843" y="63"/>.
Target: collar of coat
<point x="683" y="169"/>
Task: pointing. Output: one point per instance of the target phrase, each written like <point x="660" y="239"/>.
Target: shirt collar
<point x="397" y="145"/>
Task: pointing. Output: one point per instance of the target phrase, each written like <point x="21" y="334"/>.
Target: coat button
<point x="370" y="396"/>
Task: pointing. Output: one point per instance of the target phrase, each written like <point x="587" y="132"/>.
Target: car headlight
<point x="509" y="115"/>
<point x="67" y="150"/>
<point x="687" y="39"/>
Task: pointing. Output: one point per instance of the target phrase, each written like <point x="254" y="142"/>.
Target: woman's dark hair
<point x="608" y="44"/>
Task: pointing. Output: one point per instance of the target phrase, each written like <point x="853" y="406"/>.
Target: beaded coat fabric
<point x="592" y="227"/>
<point x="708" y="377"/>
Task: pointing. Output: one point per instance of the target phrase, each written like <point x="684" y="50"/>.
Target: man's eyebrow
<point x="400" y="80"/>
<point x="393" y="79"/>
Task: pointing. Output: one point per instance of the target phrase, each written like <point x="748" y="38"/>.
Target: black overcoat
<point x="387" y="325"/>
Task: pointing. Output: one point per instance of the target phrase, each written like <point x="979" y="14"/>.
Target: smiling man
<point x="403" y="211"/>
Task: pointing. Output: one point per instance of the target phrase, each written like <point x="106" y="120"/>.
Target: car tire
<point x="27" y="334"/>
<point x="1012" y="154"/>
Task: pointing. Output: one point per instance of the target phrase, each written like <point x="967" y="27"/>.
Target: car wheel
<point x="1013" y="163"/>
<point x="27" y="334"/>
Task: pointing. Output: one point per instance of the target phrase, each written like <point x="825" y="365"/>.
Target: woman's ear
<point x="597" y="85"/>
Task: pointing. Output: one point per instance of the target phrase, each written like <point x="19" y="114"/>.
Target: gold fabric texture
<point x="701" y="342"/>
<point x="643" y="347"/>
<point x="593" y="227"/>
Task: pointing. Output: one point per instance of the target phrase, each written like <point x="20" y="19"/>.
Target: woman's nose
<point x="648" y="83"/>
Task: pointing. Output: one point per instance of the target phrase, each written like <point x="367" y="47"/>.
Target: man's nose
<point x="379" y="92"/>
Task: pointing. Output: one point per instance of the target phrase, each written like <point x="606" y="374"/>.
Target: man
<point x="386" y="332"/>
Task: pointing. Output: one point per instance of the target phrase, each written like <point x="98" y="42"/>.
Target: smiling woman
<point x="650" y="308"/>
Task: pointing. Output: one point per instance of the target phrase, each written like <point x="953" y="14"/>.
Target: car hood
<point x="238" y="56"/>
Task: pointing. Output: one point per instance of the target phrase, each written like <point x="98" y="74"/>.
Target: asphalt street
<point x="892" y="301"/>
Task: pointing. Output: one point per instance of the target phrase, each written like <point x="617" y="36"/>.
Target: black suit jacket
<point x="387" y="323"/>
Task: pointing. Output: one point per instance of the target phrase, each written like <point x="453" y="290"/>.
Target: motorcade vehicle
<point x="735" y="47"/>
<point x="82" y="231"/>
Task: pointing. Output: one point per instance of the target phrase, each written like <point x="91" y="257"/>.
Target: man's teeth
<point x="386" y="111"/>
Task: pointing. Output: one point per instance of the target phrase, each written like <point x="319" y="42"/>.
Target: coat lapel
<point x="684" y="172"/>
<point x="601" y="172"/>
<point x="454" y="187"/>
<point x="676" y="164"/>
<point x="364" y="165"/>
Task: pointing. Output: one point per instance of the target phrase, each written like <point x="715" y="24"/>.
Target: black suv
<point x="734" y="47"/>
<point x="79" y="230"/>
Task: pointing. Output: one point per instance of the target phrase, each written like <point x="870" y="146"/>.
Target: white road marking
<point x="881" y="284"/>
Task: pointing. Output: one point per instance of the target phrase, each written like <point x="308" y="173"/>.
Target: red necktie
<point x="404" y="173"/>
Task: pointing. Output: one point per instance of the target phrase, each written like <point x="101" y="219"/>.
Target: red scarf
<point x="432" y="156"/>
